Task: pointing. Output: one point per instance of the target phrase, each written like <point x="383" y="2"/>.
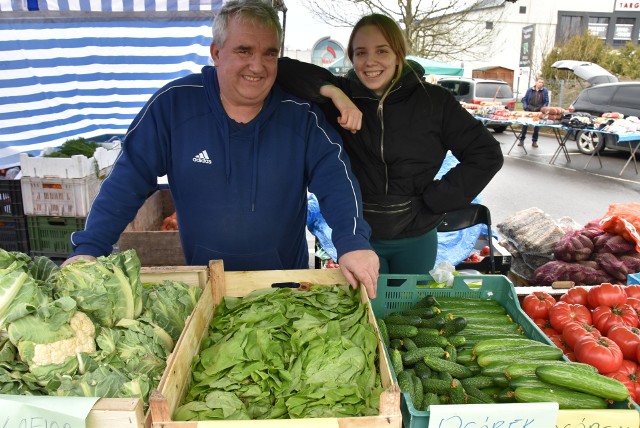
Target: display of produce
<point x="284" y="353"/>
<point x="89" y="329"/>
<point x="596" y="325"/>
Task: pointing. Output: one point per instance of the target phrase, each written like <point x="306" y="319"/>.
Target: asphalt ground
<point x="561" y="189"/>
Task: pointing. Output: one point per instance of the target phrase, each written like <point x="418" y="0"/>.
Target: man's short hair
<point x="257" y="12"/>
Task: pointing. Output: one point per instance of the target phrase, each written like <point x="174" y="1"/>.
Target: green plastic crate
<point x="397" y="293"/>
<point x="52" y="234"/>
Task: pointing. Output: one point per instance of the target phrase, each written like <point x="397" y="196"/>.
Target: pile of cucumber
<point x="455" y="350"/>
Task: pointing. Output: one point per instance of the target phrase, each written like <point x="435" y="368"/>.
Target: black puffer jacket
<point x="402" y="145"/>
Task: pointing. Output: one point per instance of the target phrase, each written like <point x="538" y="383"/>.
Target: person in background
<point x="397" y="131"/>
<point x="534" y="99"/>
<point x="240" y="155"/>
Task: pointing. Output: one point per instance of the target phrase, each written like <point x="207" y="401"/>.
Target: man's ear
<point x="213" y="49"/>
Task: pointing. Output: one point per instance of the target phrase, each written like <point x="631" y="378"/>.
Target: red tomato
<point x="571" y="356"/>
<point x="575" y="330"/>
<point x="575" y="295"/>
<point x="602" y="353"/>
<point x="627" y="338"/>
<point x="563" y="313"/>
<point x="605" y="317"/>
<point x="537" y="304"/>
<point x="634" y="302"/>
<point x="545" y="326"/>
<point x="485" y="251"/>
<point x="632" y="290"/>
<point x="560" y="343"/>
<point x="629" y="375"/>
<point x="606" y="294"/>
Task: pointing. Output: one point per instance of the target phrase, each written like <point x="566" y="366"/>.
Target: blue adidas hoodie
<point x="240" y="190"/>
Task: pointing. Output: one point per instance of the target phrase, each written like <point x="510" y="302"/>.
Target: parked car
<point x="606" y="95"/>
<point x="475" y="91"/>
<point x="621" y="97"/>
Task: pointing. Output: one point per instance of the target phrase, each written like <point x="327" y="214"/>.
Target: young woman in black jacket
<point x="397" y="130"/>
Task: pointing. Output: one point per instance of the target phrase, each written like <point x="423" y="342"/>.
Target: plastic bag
<point x="624" y="220"/>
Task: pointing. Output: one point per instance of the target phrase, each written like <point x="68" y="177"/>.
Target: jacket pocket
<point x="388" y="215"/>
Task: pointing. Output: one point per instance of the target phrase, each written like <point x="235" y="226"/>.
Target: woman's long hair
<point x="392" y="34"/>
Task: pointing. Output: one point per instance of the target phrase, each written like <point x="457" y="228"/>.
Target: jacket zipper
<point x="386" y="169"/>
<point x="386" y="211"/>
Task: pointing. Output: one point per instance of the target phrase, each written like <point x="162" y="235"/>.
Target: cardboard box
<point x="176" y="379"/>
<point x="155" y="247"/>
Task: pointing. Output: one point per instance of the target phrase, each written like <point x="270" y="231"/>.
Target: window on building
<point x="598" y="26"/>
<point x="488" y="25"/>
<point x="622" y="31"/>
<point x="523" y="10"/>
<point x="569" y="26"/>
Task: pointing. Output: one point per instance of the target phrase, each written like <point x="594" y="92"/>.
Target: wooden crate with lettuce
<point x="259" y="353"/>
<point x="101" y="328"/>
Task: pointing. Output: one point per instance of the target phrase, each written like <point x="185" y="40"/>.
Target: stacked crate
<point x="57" y="194"/>
<point x="13" y="223"/>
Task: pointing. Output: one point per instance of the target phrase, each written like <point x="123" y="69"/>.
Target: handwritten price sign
<point x="17" y="411"/>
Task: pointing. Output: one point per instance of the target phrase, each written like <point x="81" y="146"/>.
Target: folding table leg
<point x="632" y="156"/>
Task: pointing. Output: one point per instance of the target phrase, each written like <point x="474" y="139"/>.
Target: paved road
<point x="562" y="189"/>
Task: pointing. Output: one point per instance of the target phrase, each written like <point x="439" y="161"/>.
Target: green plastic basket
<point x="400" y="292"/>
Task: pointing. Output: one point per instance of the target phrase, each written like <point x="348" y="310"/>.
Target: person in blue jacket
<point x="534" y="99"/>
<point x="240" y="155"/>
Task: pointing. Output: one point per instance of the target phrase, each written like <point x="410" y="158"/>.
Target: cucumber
<point x="384" y="334"/>
<point x="535" y="352"/>
<point x="400" y="331"/>
<point x="436" y="386"/>
<point x="530" y="382"/>
<point x="454" y="369"/>
<point x="479" y="381"/>
<point x="451" y="353"/>
<point x="457" y="340"/>
<point x="397" y="319"/>
<point x="428" y="331"/>
<point x="507" y="395"/>
<point x="454" y="326"/>
<point x="424" y="313"/>
<point x="426" y="302"/>
<point x="496" y="343"/>
<point x="395" y="344"/>
<point x="412" y="357"/>
<point x="565" y="399"/>
<point x="418" y="391"/>
<point x="474" y="392"/>
<point x="422" y="370"/>
<point x="405" y="382"/>
<point x="465" y="357"/>
<point x="429" y="340"/>
<point x="444" y="376"/>
<point x="436" y="322"/>
<point x="529" y="369"/>
<point x="579" y="379"/>
<point x="476" y="338"/>
<point x="396" y="361"/>
<point x="409" y="344"/>
<point x="429" y="399"/>
<point x="457" y="393"/>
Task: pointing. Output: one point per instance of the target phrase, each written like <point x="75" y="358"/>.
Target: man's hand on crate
<point x="76" y="258"/>
<point x="361" y="266"/>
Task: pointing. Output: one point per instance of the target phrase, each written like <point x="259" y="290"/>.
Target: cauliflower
<point x="57" y="352"/>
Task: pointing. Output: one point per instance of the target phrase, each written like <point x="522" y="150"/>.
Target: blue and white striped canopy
<point x="87" y="69"/>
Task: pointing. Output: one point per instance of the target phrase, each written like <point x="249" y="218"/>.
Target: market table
<point x="631" y="138"/>
<point x="508" y="123"/>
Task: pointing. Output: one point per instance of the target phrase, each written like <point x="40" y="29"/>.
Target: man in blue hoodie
<point x="239" y="154"/>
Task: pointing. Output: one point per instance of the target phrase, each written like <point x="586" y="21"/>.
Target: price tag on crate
<point x="601" y="418"/>
<point x="31" y="411"/>
<point x="530" y="415"/>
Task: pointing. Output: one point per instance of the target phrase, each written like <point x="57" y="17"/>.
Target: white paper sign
<point x="507" y="415"/>
<point x="26" y="411"/>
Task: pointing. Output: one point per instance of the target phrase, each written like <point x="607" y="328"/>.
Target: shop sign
<point x="623" y="32"/>
<point x="526" y="45"/>
<point x="326" y="52"/>
<point x="598" y="29"/>
<point x="627" y="5"/>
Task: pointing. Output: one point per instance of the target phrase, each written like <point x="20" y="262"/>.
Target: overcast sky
<point x="303" y="30"/>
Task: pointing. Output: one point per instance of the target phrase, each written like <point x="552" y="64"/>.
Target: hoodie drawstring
<point x="254" y="177"/>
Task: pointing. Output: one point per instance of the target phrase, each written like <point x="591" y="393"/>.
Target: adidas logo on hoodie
<point x="202" y="157"/>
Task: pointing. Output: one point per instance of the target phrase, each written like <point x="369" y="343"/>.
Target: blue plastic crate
<point x="397" y="293"/>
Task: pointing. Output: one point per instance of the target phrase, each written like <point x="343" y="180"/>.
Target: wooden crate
<point x="129" y="412"/>
<point x="175" y="381"/>
<point x="154" y="246"/>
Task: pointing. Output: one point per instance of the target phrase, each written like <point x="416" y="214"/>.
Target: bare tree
<point x="442" y="29"/>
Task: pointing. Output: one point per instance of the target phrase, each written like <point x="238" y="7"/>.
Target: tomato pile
<point x="596" y="325"/>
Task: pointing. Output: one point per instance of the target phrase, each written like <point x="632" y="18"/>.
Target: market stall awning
<point x="435" y="67"/>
